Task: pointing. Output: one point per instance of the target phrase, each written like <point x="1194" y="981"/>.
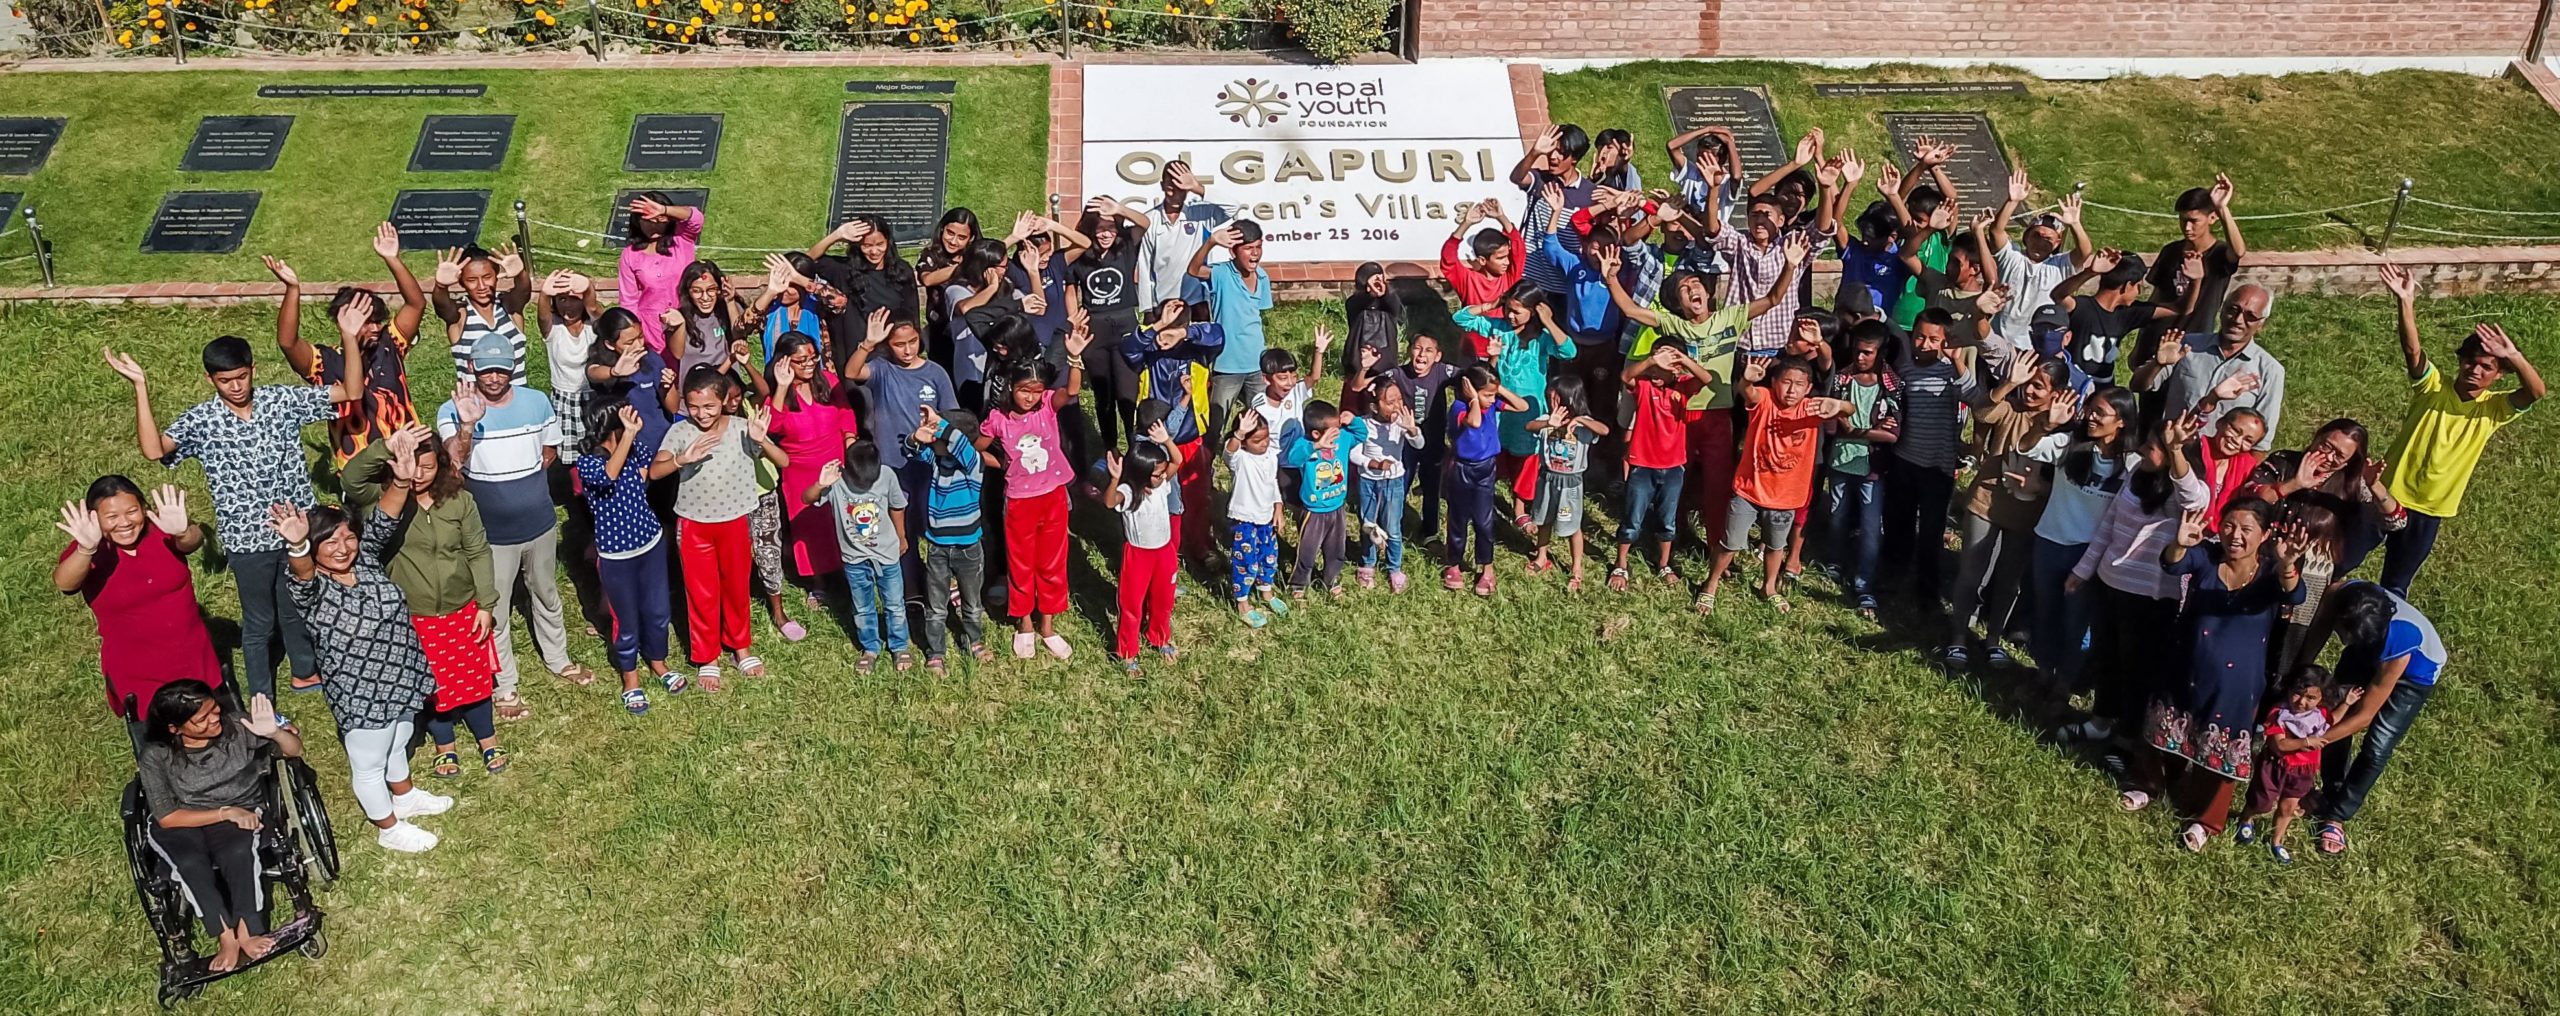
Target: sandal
<point x="1706" y="603"/>
<point x="750" y="665"/>
<point x="1484" y="583"/>
<point x="1997" y="658"/>
<point x="2282" y="855"/>
<point x="1057" y="645"/>
<point x="1540" y="566"/>
<point x="866" y="664"/>
<point x="2193" y="837"/>
<point x="635" y="702"/>
<point x="511" y="708"/>
<point x="2333" y="838"/>
<point x="1667" y="576"/>
<point x="1618" y="579"/>
<point x="1130" y="667"/>
<point x="2246" y="833"/>
<point x="793" y="632"/>
<point x="1277" y="606"/>
<point x="1024" y="644"/>
<point x="708" y="677"/>
<point x="1778" y="602"/>
<point x="494" y="759"/>
<point x="1253" y="618"/>
<point x="299" y="684"/>
<point x="1573" y="585"/>
<point x="448" y="766"/>
<point x="903" y="660"/>
<point x="1956" y="657"/>
<point x="935" y="666"/>
<point x="982" y="653"/>
<point x="576" y="674"/>
<point x="675" y="681"/>
<point x="1169" y="652"/>
<point x="2133" y="800"/>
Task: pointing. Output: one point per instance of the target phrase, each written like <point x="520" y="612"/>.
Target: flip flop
<point x="793" y="632"/>
<point x="707" y="677"/>
<point x="2333" y="838"/>
<point x="576" y="674"/>
<point x="1057" y="645"/>
<point x="750" y="665"/>
<point x="1025" y="644"/>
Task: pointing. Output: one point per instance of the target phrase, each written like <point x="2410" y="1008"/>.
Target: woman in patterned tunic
<point x="373" y="668"/>
<point x="2236" y="587"/>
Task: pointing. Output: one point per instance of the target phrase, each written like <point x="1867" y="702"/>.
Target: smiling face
<point x="204" y="725"/>
<point x="1928" y="341"/>
<point x="2243" y="315"/>
<point x="2330" y="453"/>
<point x="703" y="407"/>
<point x="121" y="518"/>
<point x="804" y="361"/>
<point x="2103" y="420"/>
<point x="1281" y="382"/>
<point x="875" y="249"/>
<point x="955" y="237"/>
<point x="2238" y="434"/>
<point x="1106" y="233"/>
<point x="480" y="280"/>
<point x="2477" y="373"/>
<point x="2241" y="535"/>
<point x="494" y="385"/>
<point x="703" y="293"/>
<point x="337" y="554"/>
<point x="1691" y="291"/>
<point x="2304" y="699"/>
<point x="2037" y="394"/>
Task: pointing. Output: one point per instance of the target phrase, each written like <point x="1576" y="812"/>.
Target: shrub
<point x="1336" y="30"/>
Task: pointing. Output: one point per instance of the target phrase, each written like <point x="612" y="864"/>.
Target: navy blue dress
<point x="2209" y="718"/>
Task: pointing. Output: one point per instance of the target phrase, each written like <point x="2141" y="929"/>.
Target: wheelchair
<point x="294" y="844"/>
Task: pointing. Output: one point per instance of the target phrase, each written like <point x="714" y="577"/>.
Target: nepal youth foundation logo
<point x="1252" y="102"/>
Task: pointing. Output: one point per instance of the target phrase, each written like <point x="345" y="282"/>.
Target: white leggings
<point x="378" y="757"/>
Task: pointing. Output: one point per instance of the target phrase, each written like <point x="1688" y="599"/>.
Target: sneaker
<point x="418" y="802"/>
<point x="1451" y="578"/>
<point x="1368" y="578"/>
<point x="1956" y="657"/>
<point x="2245" y="834"/>
<point x="1997" y="658"/>
<point x="1395" y="582"/>
<point x="405" y="838"/>
<point x="1377" y="535"/>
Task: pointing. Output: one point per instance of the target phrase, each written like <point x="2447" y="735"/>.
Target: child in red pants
<point x="712" y="454"/>
<point x="1142" y="492"/>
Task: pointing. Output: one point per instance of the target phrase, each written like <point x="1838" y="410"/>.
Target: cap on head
<point x="487" y="358"/>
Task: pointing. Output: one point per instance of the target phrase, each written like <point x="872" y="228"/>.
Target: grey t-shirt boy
<point x="864" y="530"/>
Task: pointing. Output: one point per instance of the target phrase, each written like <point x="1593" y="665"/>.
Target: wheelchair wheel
<point x="316" y="946"/>
<point x="154" y="885"/>
<point x="311" y="819"/>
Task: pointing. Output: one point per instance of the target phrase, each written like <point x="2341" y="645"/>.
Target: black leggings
<point x="476" y="716"/>
<point x="218" y="866"/>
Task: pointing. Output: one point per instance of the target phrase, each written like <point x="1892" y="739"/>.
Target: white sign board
<point x="1335" y="163"/>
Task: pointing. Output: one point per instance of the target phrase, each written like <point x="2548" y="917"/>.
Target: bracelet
<point x="1075" y="362"/>
<point x="298" y="549"/>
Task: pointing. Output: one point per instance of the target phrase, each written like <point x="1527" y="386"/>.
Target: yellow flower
<point x="1106" y="22"/>
<point x="735" y="7"/>
<point x="913" y="37"/>
<point x="694" y="23"/>
<point x="154" y="40"/>
<point x="528" y="36"/>
<point x="153" y="3"/>
<point x="875" y="17"/>
<point x="343" y="29"/>
<point x="125" y="39"/>
<point x="371" y="20"/>
<point x="422" y="23"/>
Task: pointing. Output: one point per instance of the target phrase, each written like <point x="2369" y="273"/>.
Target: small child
<point x="1854" y="466"/>
<point x="713" y="454"/>
<point x="1022" y="434"/>
<point x="1519" y="345"/>
<point x="1283" y="397"/>
<point x="1141" y="491"/>
<point x="567" y="313"/>
<point x="2288" y="764"/>
<point x="1663" y="383"/>
<point x="1394" y="434"/>
<point x="869" y="504"/>
<point x="1492" y="259"/>
<point x="1321" y="452"/>
<point x="955" y="553"/>
<point x="1565" y="436"/>
<point x="1775" y="477"/>
<point x="1253" y="518"/>
<point x="1162" y="355"/>
<point x="1424" y="380"/>
<point x="1474" y="443"/>
<point x="631" y="547"/>
<point x="484" y="315"/>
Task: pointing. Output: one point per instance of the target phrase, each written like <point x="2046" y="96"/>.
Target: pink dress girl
<point x="649" y="278"/>
<point x="813" y="432"/>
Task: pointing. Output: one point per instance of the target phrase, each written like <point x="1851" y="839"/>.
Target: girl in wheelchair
<point x="201" y="771"/>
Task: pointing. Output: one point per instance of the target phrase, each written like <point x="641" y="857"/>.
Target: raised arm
<point x="2230" y="223"/>
<point x="448" y="275"/>
<point x="1627" y="305"/>
<point x="1808" y="152"/>
<point x="875" y="330"/>
<point x="1794" y="250"/>
<point x="298" y="354"/>
<point x="2494" y="341"/>
<point x="2413" y="350"/>
<point x="413" y="299"/>
<point x="1225" y="236"/>
<point x="155" y="443"/>
<point x="1525" y="171"/>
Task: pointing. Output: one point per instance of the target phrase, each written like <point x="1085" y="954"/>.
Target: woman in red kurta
<point x="130" y="565"/>
<point x="813" y="428"/>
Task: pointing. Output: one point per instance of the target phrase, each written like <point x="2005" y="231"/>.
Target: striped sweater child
<point x="951" y="516"/>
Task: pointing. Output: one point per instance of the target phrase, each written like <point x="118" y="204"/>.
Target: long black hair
<point x="790" y="342"/>
<point x="610" y="326"/>
<point x="1138" y="468"/>
<point x="604" y="415"/>
<point x="933" y="256"/>
<point x="111" y="485"/>
<point x="1569" y="394"/>
<point x="635" y="226"/>
<point x="719" y="303"/>
<point x="2081" y="463"/>
<point x="172" y="706"/>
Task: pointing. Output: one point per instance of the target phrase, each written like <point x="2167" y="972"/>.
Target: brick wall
<point x="1989" y="28"/>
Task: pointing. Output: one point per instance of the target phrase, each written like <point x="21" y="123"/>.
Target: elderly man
<point x="2184" y="372"/>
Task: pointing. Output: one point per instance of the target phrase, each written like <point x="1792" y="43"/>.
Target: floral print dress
<point x="2209" y="717"/>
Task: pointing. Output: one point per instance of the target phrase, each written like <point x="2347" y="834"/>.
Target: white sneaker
<point x="418" y="802"/>
<point x="405" y="838"/>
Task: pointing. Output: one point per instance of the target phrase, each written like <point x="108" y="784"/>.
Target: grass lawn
<point x="1540" y="803"/>
<point x="347" y="157"/>
<point x="2293" y="143"/>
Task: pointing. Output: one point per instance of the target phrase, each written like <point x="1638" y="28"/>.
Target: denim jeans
<point x="2347" y="772"/>
<point x="267" y="613"/>
<point x="2404" y="552"/>
<point x="1855" y="513"/>
<point x="2061" y="620"/>
<point x="1382" y="505"/>
<point x="1653" y="504"/>
<point x="879" y="602"/>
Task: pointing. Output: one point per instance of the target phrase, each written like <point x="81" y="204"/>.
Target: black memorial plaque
<point x="902" y="87"/>
<point x="200" y="222"/>
<point x="438" y="219"/>
<point x="236" y="144"/>
<point x="1742" y="109"/>
<point x="673" y="143"/>
<point x="26" y="142"/>
<point x="1884" y="89"/>
<point x="371" y="91"/>
<point x="1979" y="167"/>
<point x="617" y="220"/>
<point x="892" y="160"/>
<point x="462" y="144"/>
<point x="9" y="202"/>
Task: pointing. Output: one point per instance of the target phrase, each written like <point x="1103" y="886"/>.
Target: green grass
<point x="346" y="158"/>
<point x="2293" y="143"/>
<point x="1540" y="803"/>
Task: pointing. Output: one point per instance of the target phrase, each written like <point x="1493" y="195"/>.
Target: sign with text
<point x="26" y="142"/>
<point x="371" y="91"/>
<point x="893" y="160"/>
<point x="200" y="222"/>
<point x="673" y="143"/>
<point x="439" y="219"/>
<point x="1874" y="89"/>
<point x="1742" y="109"/>
<point x="1979" y="167"/>
<point x="462" y="144"/>
<point x="1342" y="163"/>
<point x="236" y="144"/>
